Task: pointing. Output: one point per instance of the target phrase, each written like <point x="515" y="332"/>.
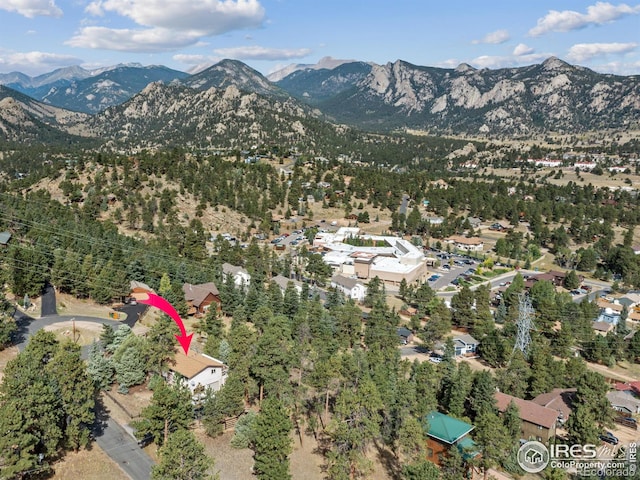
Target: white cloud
<point x="262" y="53"/>
<point x="586" y="51"/>
<point x="505" y="61"/>
<point x="619" y="68"/>
<point x="209" y="17"/>
<point x="494" y="38"/>
<point x="166" y="24"/>
<point x="127" y="40"/>
<point x="567" y="20"/>
<point x="448" y="63"/>
<point x="522" y="49"/>
<point x="34" y="63"/>
<point x="196" y="63"/>
<point x="32" y="8"/>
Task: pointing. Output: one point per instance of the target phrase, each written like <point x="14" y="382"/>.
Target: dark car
<point x="609" y="438"/>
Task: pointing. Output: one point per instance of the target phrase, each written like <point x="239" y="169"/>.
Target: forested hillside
<point x="307" y="362"/>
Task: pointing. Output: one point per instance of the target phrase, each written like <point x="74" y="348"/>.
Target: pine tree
<point x="19" y="449"/>
<point x="129" y="363"/>
<point x="107" y="336"/>
<point x="99" y="367"/>
<point x="272" y="441"/>
<point x="77" y="393"/>
<point x="493" y="439"/>
<point x="512" y="422"/>
<point x="183" y="458"/>
<point x="355" y="424"/>
<point x="170" y="410"/>
<point x="482" y="397"/>
<point x="273" y="357"/>
<point x="159" y="346"/>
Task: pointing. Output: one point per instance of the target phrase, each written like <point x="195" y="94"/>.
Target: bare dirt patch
<point x="124" y="408"/>
<point x="91" y="464"/>
<point x="82" y="333"/>
<point x="306" y="461"/>
<point x="70" y="305"/>
<point x="7" y="354"/>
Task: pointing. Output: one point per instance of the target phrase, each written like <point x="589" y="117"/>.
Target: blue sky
<point x="41" y="35"/>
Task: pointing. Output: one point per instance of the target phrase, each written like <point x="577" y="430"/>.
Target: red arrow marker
<point x="162" y="304"/>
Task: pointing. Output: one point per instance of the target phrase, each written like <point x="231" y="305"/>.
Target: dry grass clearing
<point x="91" y="464"/>
<point x="306" y="460"/>
<point x="7" y="354"/>
<point x="83" y="333"/>
<point x="70" y="305"/>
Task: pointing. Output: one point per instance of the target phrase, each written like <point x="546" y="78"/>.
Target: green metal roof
<point x="468" y="448"/>
<point x="445" y="428"/>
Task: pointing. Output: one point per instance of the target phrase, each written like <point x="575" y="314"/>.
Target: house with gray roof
<point x="350" y="286"/>
<point x="240" y="276"/>
<point x="624" y="402"/>
<point x="4" y="238"/>
<point x="283" y="281"/>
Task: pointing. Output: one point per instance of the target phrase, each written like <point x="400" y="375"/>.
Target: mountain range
<point x="130" y="102"/>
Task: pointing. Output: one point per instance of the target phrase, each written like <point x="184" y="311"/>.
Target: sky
<point x="38" y="36"/>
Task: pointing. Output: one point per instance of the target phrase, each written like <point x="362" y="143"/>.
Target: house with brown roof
<point x="197" y="371"/>
<point x="200" y="297"/>
<point x="558" y="399"/>
<point x="537" y="422"/>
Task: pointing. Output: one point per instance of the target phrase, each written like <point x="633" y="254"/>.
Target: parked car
<point x="609" y="438"/>
<point x="435" y="359"/>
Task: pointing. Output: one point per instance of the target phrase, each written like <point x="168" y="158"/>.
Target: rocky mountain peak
<point x="555" y="64"/>
<point x="465" y="68"/>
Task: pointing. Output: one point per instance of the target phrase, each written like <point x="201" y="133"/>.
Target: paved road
<point x="124" y="450"/>
<point x="28" y="326"/>
<point x="48" y="301"/>
<point x="404" y="204"/>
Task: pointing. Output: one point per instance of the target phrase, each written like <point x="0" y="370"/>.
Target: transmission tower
<point x="524" y="324"/>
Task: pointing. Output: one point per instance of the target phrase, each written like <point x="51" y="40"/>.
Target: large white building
<point x="391" y="259"/>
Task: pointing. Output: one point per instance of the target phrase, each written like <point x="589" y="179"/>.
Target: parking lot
<point x="452" y="267"/>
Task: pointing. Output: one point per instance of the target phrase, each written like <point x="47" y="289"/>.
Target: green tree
<point x="19" y="450"/>
<point x="493" y="439"/>
<point x="571" y="280"/>
<point x="77" y="393"/>
<point x="512" y="422"/>
<point x="272" y="442"/>
<point x="129" y="363"/>
<point x="420" y="470"/>
<point x="482" y="399"/>
<point x="158" y="349"/>
<point x="273" y="357"/>
<point x="99" y="367"/>
<point x="7" y="324"/>
<point x="225" y="403"/>
<point x="514" y="378"/>
<point x="355" y="424"/>
<point x="183" y="458"/>
<point x="170" y="410"/>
